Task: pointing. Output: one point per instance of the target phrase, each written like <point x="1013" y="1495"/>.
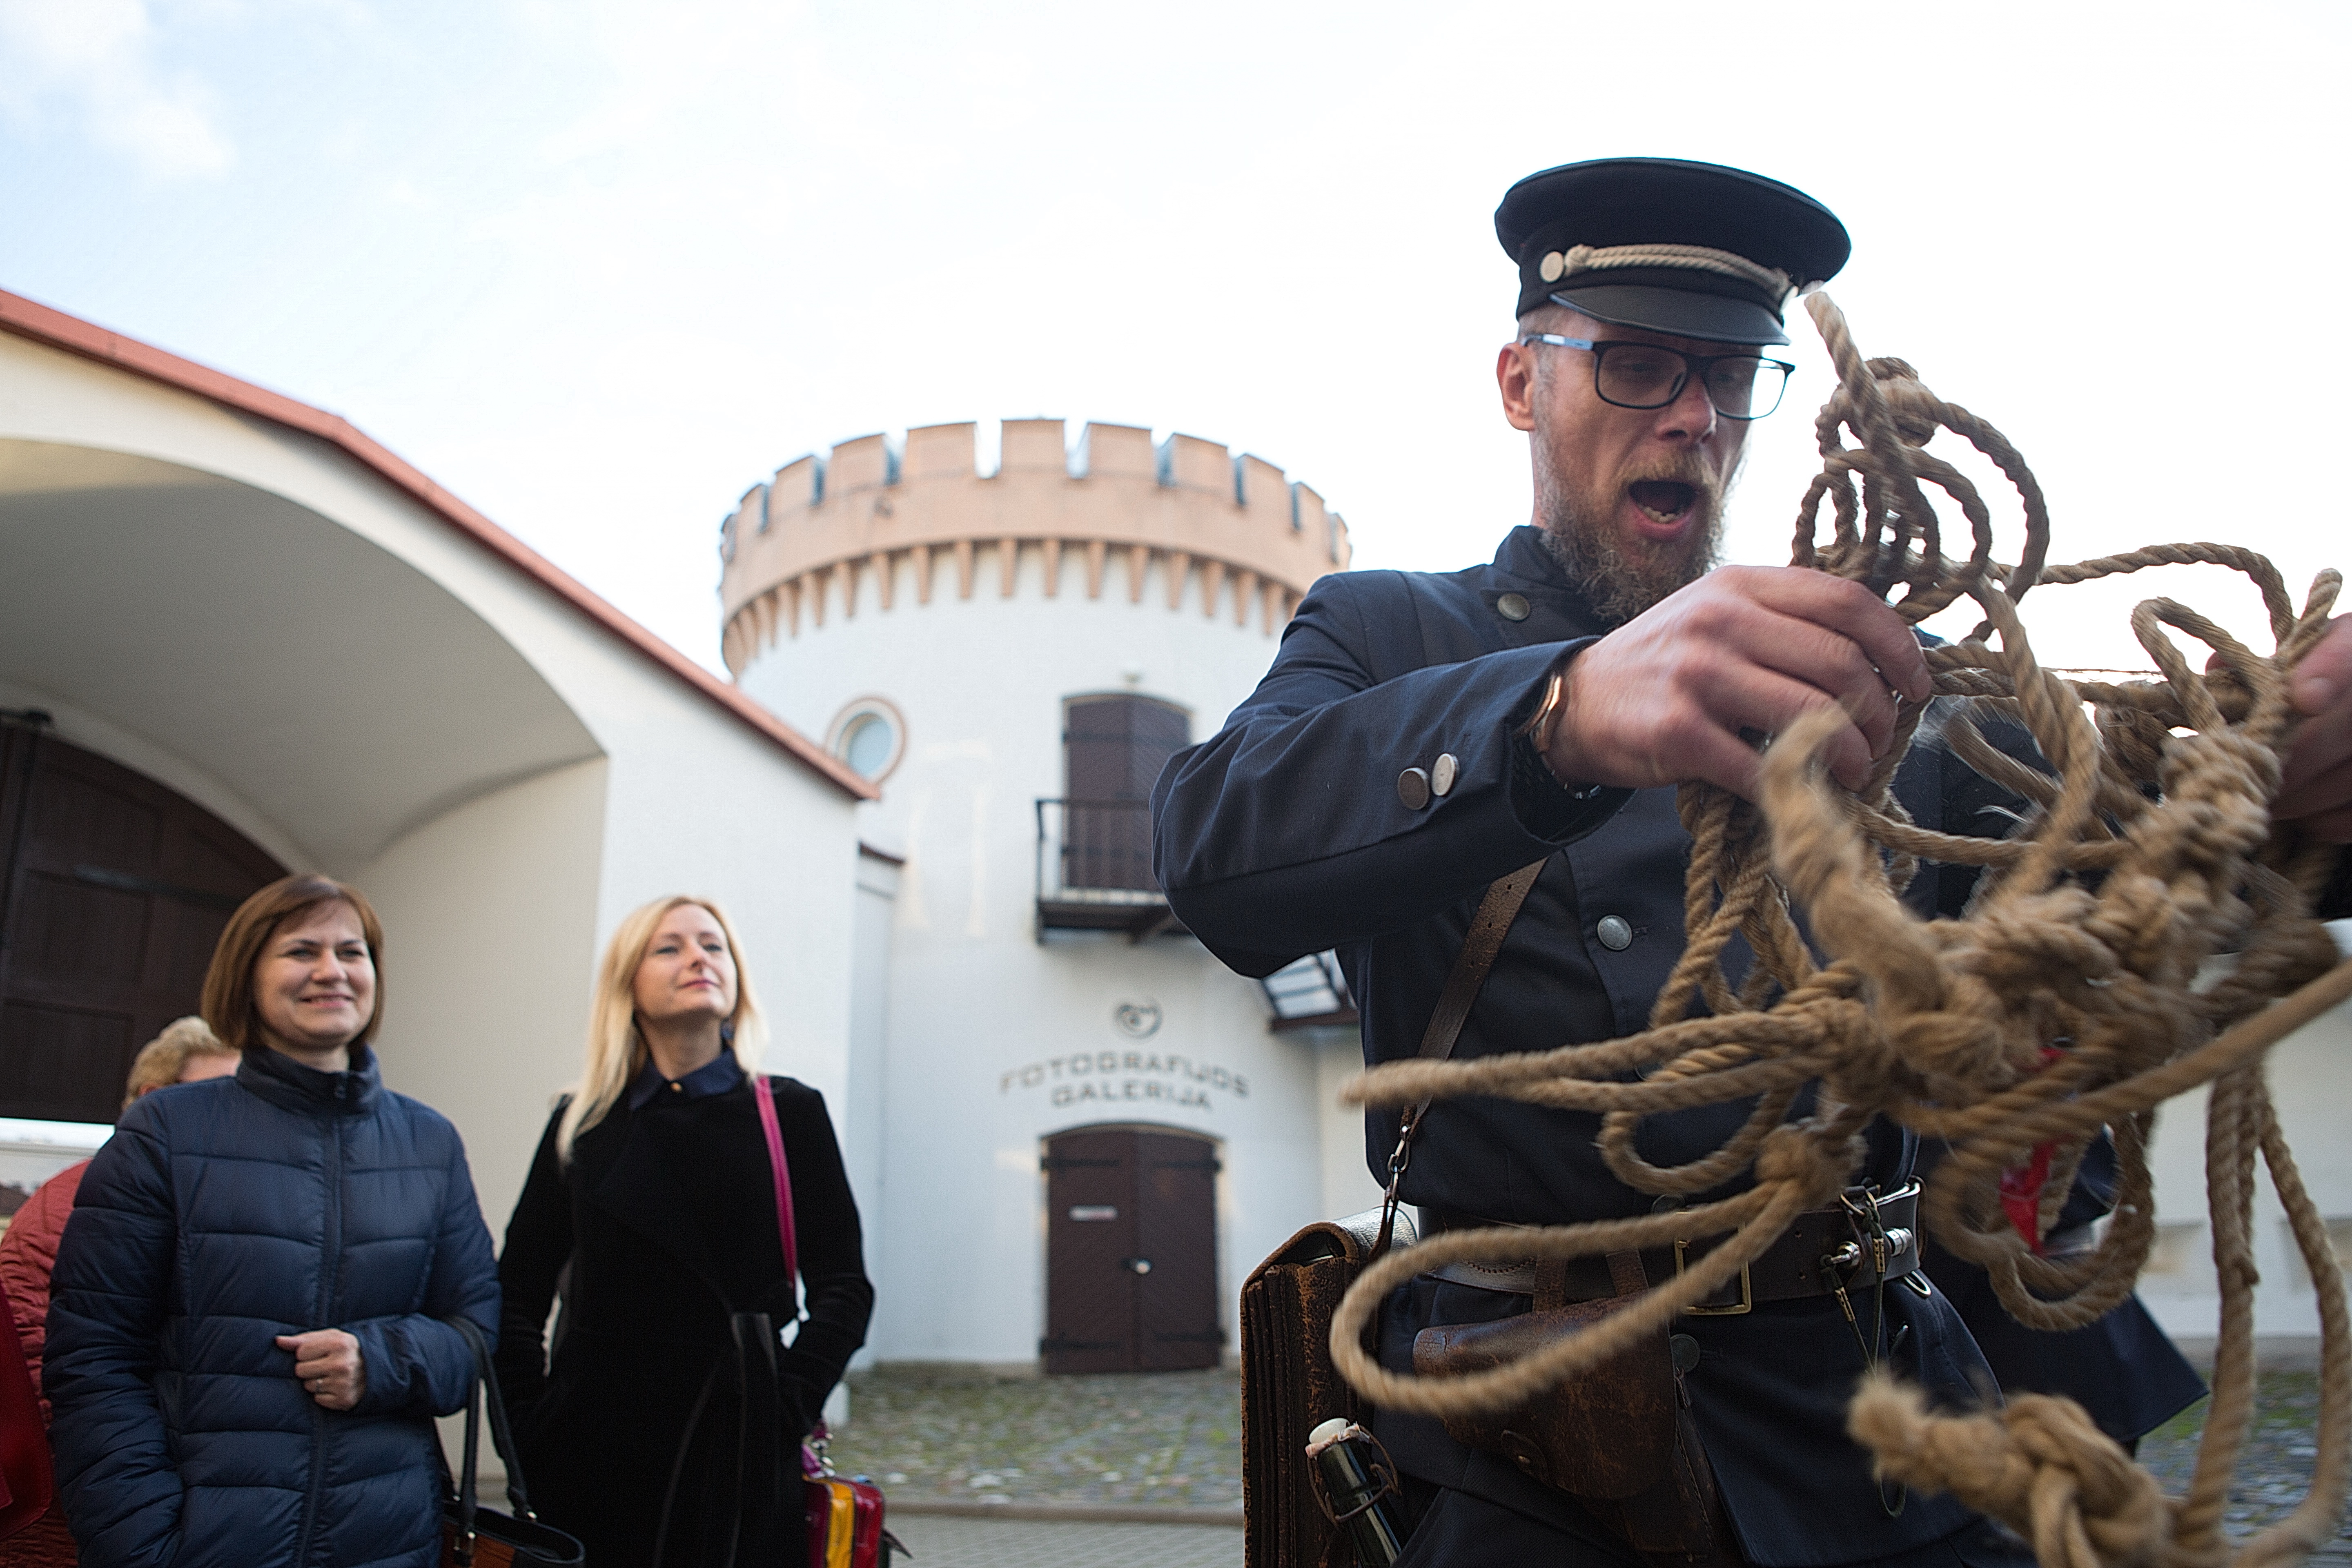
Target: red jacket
<point x="27" y="1253"/>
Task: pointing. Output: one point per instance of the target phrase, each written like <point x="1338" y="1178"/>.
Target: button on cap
<point x="1615" y="931"/>
<point x="1441" y="777"/>
<point x="1412" y="788"/>
<point x="1512" y="606"/>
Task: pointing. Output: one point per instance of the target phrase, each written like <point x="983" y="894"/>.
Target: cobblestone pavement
<point x="2275" y="1467"/>
<point x="1020" y="1543"/>
<point x="1169" y="1439"/>
<point x="1174" y="1440"/>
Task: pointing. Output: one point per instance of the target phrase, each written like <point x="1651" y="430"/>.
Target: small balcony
<point x="1094" y="870"/>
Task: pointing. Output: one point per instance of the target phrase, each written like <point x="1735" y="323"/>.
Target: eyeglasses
<point x="1644" y="375"/>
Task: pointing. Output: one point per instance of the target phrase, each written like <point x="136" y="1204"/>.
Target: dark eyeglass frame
<point x="1693" y="364"/>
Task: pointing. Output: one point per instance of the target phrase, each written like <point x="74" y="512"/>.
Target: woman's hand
<point x="327" y="1361"/>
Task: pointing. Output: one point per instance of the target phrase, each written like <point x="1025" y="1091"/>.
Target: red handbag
<point x="845" y="1512"/>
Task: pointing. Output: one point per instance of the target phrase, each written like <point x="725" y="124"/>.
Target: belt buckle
<point x="1747" y="1302"/>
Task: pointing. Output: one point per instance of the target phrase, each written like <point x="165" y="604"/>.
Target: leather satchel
<point x="1619" y="1437"/>
<point x="1608" y="1434"/>
<point x="1289" y="1385"/>
<point x="474" y="1535"/>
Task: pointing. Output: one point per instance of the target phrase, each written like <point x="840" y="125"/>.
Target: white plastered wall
<point x="486" y="911"/>
<point x="2306" y="1073"/>
<point x="979" y="1011"/>
<point x="677" y="795"/>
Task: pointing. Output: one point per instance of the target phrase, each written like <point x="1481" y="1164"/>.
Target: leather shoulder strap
<point x="1488" y="927"/>
<point x="779" y="1171"/>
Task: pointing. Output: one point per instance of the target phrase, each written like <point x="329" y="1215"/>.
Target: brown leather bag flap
<point x="1608" y="1433"/>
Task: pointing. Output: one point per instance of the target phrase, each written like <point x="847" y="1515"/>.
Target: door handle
<point x="1135" y="1265"/>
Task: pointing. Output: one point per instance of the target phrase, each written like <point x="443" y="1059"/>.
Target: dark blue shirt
<point x="717" y="1076"/>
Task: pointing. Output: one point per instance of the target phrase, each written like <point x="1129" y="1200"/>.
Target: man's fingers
<point x="1851" y="611"/>
<point x="2324" y="678"/>
<point x="1823" y="661"/>
<point x="1766" y="703"/>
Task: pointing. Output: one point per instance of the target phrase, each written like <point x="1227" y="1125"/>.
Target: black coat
<point x="1287" y="834"/>
<point x="665" y="1222"/>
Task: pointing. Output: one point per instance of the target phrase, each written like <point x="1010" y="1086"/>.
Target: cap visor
<point x="1711" y="318"/>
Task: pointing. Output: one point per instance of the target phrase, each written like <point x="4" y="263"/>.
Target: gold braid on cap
<point x="1560" y="264"/>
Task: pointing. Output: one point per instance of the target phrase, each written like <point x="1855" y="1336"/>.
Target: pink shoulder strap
<point x="776" y="1137"/>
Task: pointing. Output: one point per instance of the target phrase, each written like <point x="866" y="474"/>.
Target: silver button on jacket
<point x="1615" y="931"/>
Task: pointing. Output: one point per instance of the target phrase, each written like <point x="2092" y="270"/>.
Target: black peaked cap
<point x="1612" y="202"/>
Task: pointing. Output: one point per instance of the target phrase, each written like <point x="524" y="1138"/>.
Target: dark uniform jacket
<point x="1287" y="834"/>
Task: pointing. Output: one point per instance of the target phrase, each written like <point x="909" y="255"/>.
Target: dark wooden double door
<point x="114" y="889"/>
<point x="1130" y="1251"/>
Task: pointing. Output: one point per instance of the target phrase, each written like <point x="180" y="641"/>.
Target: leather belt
<point x="1865" y="1239"/>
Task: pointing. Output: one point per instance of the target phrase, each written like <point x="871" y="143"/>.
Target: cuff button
<point x="1441" y="777"/>
<point x="1412" y="788"/>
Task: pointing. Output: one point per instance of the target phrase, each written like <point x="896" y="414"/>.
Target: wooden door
<point x="1131" y="1252"/>
<point x="112" y="891"/>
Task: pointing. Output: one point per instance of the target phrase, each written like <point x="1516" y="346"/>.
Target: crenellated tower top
<point x="1229" y="532"/>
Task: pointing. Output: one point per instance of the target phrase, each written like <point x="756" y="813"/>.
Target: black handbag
<point x="472" y="1535"/>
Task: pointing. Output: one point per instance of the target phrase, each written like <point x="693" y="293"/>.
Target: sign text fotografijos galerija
<point x="1126" y="1076"/>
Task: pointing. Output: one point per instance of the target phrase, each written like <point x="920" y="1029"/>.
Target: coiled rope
<point x="2163" y="787"/>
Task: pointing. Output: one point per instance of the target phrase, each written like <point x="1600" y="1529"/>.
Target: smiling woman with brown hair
<point x="247" y="1336"/>
<point x="666" y="1434"/>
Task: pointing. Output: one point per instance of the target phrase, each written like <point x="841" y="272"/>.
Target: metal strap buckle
<point x="1747" y="1302"/>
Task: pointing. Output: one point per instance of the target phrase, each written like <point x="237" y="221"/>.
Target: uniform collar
<point x="289" y="1085"/>
<point x="717" y="1076"/>
<point x="1534" y="574"/>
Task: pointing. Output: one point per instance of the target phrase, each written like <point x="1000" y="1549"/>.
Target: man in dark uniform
<point x="1421" y="736"/>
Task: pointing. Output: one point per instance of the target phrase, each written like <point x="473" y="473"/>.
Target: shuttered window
<point x="1113" y="749"/>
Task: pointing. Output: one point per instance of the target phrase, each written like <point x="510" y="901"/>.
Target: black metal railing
<point x="1093" y="867"/>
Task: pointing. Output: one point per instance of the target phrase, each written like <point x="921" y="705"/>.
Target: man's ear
<point x="1515" y="376"/>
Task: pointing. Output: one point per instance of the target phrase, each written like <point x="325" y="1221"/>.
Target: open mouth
<point x="1667" y="500"/>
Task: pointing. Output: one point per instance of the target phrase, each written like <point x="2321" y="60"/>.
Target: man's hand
<point x="2316" y="793"/>
<point x="327" y="1361"/>
<point x="1667" y="696"/>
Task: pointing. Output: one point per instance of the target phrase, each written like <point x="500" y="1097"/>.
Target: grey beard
<point x="1618" y="585"/>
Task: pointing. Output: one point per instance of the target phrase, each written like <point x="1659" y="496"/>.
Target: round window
<point x="868" y="736"/>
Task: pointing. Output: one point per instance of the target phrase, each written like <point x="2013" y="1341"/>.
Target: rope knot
<point x="1918" y="412"/>
<point x="2039" y="1465"/>
<point x="1791" y="1156"/>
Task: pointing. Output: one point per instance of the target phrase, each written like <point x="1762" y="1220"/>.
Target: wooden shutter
<point x="1113" y="749"/>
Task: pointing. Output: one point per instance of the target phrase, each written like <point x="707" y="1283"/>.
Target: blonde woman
<point x="665" y="1433"/>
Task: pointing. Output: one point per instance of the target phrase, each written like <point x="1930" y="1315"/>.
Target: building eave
<point x="43" y="324"/>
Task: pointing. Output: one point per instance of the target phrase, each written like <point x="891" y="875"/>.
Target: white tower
<point x="1071" y="1130"/>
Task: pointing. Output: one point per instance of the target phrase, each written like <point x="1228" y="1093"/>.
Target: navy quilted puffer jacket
<point x="220" y="1216"/>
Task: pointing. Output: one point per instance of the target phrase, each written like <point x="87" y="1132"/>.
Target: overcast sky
<point x="599" y="268"/>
